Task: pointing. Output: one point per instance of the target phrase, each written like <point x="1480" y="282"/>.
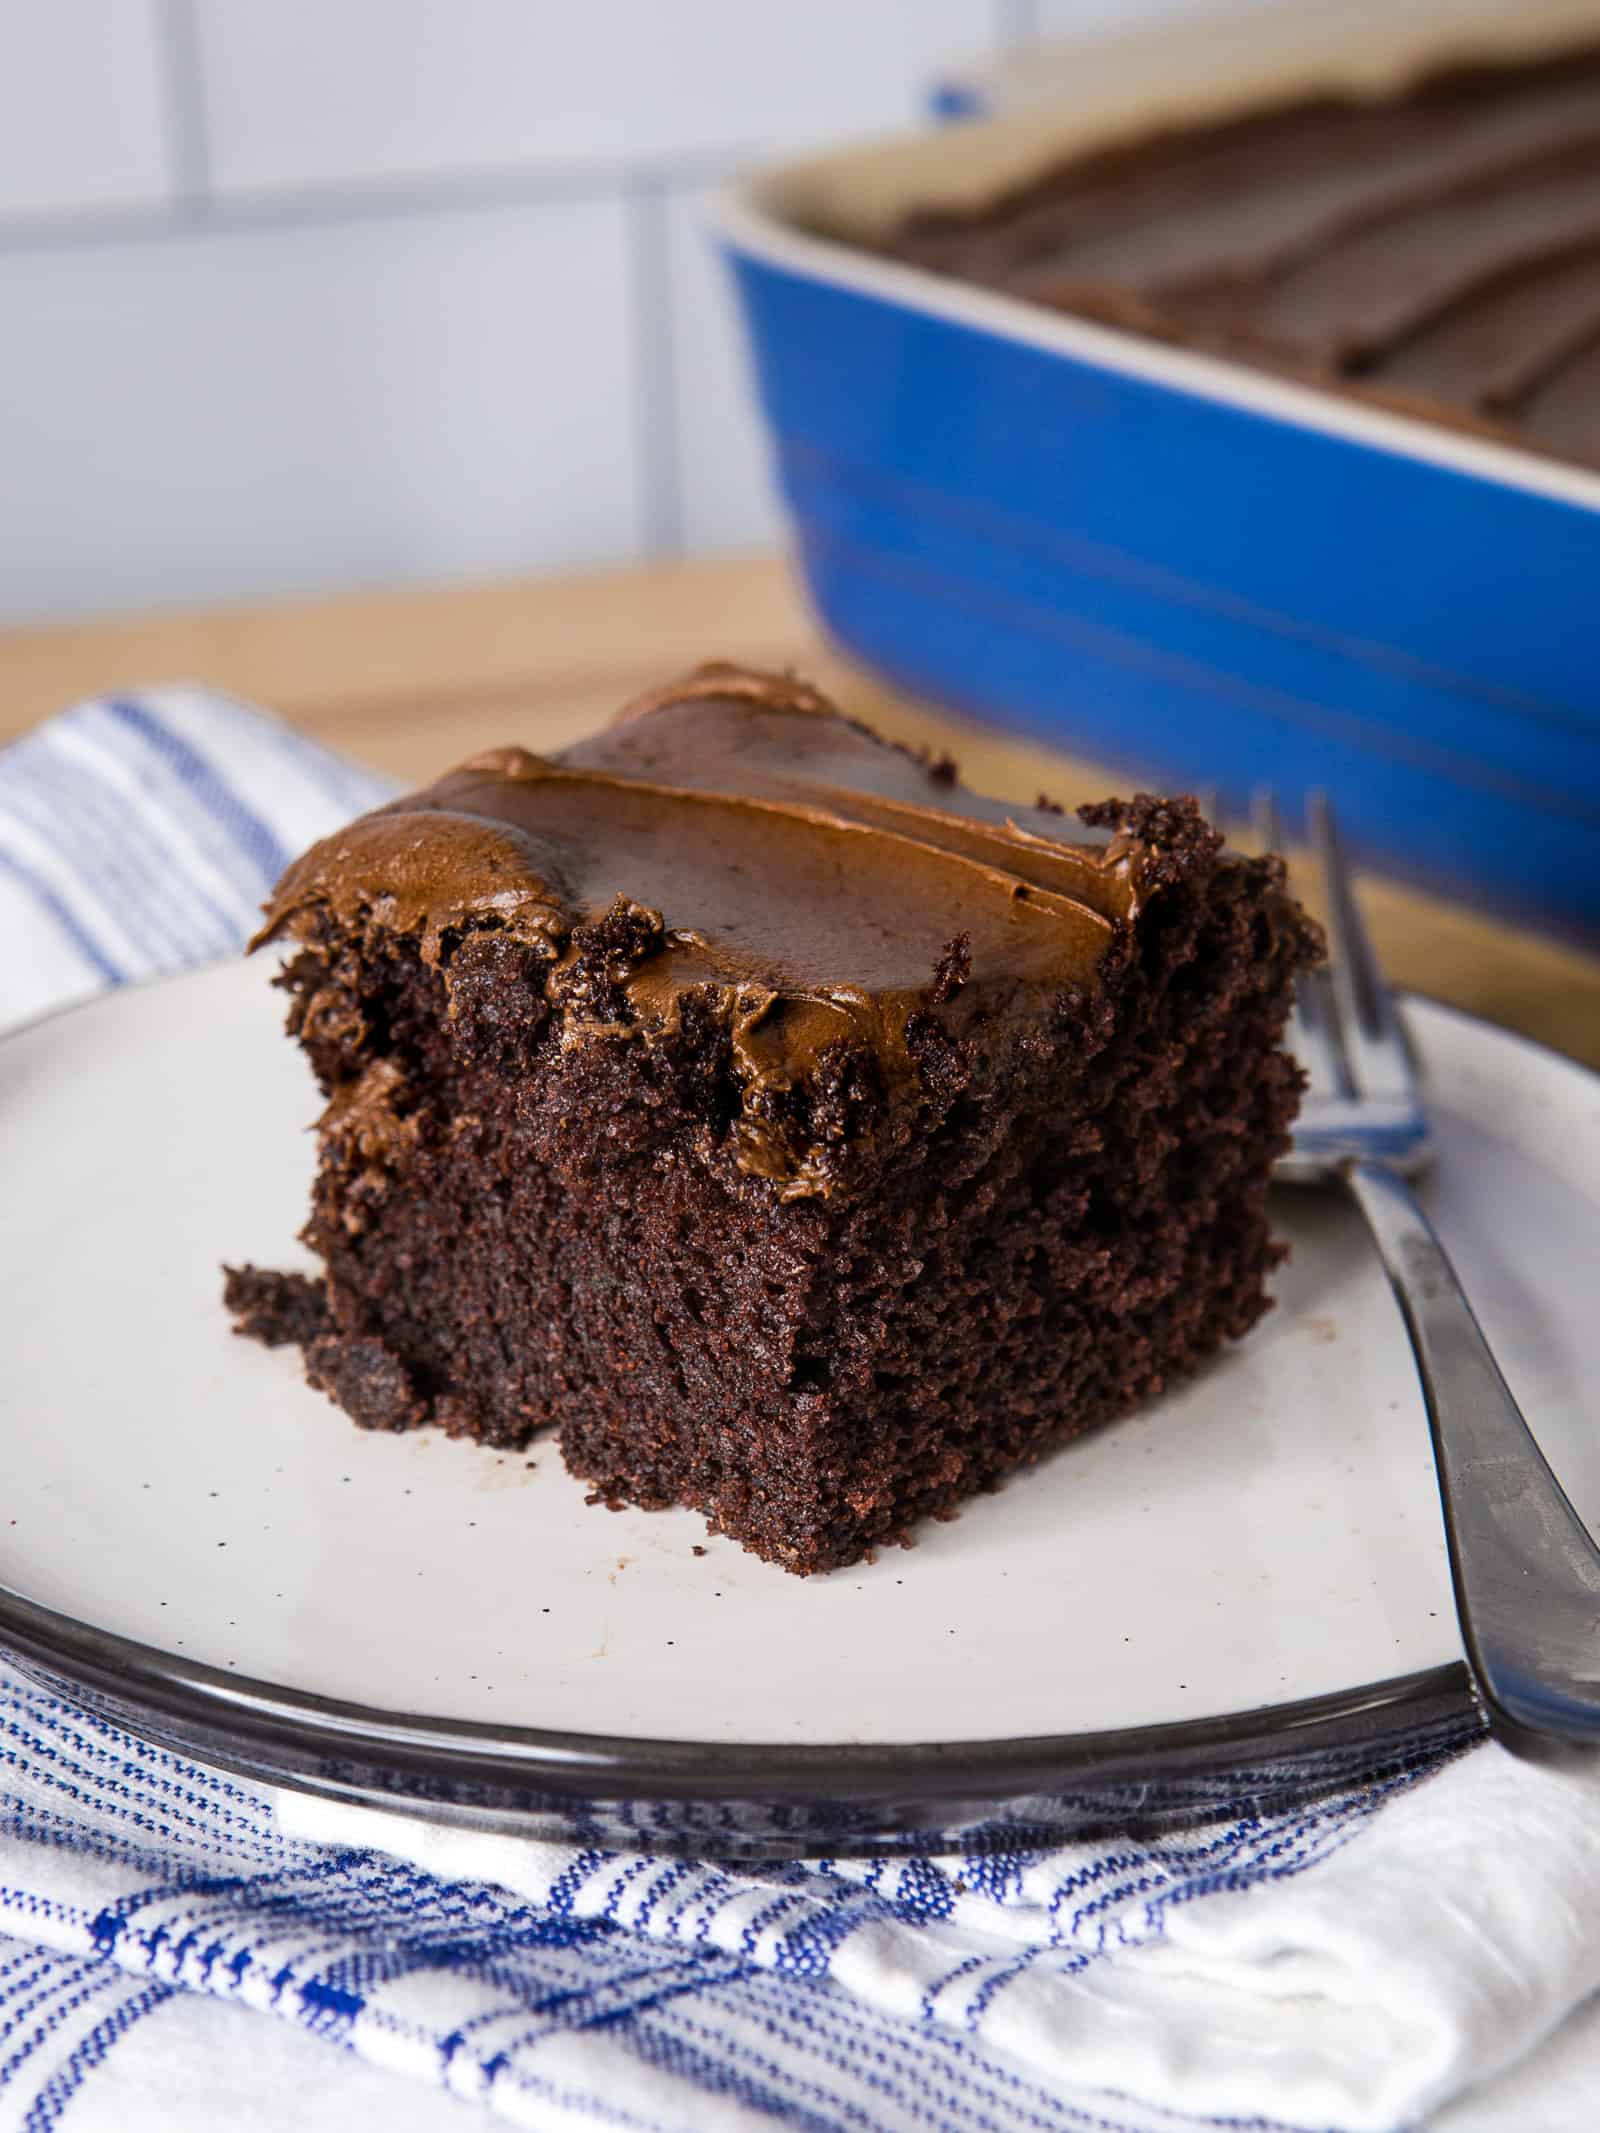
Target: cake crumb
<point x="278" y="1310"/>
<point x="952" y="971"/>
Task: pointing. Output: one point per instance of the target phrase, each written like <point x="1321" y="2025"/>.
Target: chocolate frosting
<point x="734" y="837"/>
<point x="1440" y="251"/>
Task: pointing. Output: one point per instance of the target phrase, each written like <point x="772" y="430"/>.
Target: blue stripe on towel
<point x="61" y="915"/>
<point x="202" y="1892"/>
<point x="76" y="817"/>
<point x="248" y="830"/>
<point x="52" y="2100"/>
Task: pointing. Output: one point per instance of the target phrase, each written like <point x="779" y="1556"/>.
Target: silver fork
<point x="1525" y="1569"/>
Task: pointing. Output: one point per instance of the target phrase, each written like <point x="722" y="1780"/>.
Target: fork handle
<point x="1526" y="1572"/>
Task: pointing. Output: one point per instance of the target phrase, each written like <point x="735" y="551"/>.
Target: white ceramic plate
<point x="184" y="1521"/>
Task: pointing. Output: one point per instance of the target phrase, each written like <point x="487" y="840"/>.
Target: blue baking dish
<point x="1191" y="571"/>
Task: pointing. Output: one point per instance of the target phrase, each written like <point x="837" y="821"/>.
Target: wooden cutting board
<point x="412" y="681"/>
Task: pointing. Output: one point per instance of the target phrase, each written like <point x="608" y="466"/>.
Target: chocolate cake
<point x="802" y="1137"/>
<point x="1438" y="250"/>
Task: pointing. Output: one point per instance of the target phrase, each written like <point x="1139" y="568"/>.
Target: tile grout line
<point x="319" y="207"/>
<point x="1019" y="26"/>
<point x="188" y="133"/>
<point x="655" y="397"/>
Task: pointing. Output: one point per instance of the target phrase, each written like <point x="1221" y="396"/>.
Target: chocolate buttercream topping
<point x="1439" y="251"/>
<point x="735" y="839"/>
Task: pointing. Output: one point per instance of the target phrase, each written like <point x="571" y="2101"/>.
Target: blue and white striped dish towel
<point x="180" y="1950"/>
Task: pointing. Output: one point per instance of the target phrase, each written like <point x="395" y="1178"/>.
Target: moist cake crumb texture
<point x="803" y="1138"/>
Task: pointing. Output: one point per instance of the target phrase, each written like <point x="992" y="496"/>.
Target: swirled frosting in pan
<point x="1439" y="251"/>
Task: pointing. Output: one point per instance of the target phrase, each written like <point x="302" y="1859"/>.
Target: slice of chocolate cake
<point x="802" y="1137"/>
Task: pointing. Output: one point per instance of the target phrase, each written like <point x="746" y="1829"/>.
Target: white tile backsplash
<point x="723" y="477"/>
<point x="1075" y="18"/>
<point x="83" y="108"/>
<point x="213" y="417"/>
<point x="313" y="293"/>
<point x="319" y="92"/>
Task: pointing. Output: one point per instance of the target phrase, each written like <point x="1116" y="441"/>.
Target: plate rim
<point x="227" y="1716"/>
<point x="235" y="1716"/>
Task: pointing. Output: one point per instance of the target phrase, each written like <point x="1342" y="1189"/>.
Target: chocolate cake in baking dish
<point x="1438" y="250"/>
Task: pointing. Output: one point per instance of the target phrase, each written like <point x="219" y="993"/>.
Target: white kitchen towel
<point x="180" y="1949"/>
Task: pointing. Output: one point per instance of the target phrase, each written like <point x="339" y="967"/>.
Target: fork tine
<point x="1369" y="1030"/>
<point x="1313" y="1032"/>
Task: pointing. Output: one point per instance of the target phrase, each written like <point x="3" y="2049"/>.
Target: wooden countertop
<point x="411" y="681"/>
